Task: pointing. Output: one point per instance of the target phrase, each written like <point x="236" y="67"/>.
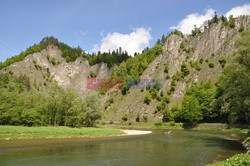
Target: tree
<point x="93" y="110"/>
<point x="163" y="38"/>
<point x="167" y="115"/>
<point x="231" y="21"/>
<point x="75" y="116"/>
<point x="233" y="97"/>
<point x="224" y="20"/>
<point x="190" y="113"/>
<point x="215" y="19"/>
<point x="184" y="69"/>
<point x="196" y="31"/>
<point x="205" y="95"/>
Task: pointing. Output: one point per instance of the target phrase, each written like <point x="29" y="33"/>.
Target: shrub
<point x="184" y="69"/>
<point x="158" y="124"/>
<point x="53" y="61"/>
<point x="211" y="64"/>
<point x="167" y="115"/>
<point x="166" y="99"/>
<point x="166" y="68"/>
<point x="241" y="29"/>
<point x="138" y="117"/>
<point x="125" y="118"/>
<point x="196" y="65"/>
<point x="222" y="61"/>
<point x="92" y="74"/>
<point x="236" y="160"/>
<point x="147" y="98"/>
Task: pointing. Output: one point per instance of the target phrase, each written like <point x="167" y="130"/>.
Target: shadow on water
<point x="226" y="144"/>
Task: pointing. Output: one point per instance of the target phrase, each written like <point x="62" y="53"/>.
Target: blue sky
<point x="86" y="23"/>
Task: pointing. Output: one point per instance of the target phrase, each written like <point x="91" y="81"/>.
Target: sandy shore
<point x="136" y="132"/>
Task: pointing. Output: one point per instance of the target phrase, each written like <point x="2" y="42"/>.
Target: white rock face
<point x="69" y="75"/>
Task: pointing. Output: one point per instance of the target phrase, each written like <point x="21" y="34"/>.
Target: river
<point x="182" y="148"/>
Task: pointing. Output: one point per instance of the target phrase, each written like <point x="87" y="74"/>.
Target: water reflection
<point x="181" y="148"/>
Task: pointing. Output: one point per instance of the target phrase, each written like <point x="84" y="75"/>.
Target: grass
<point x="21" y="132"/>
<point x="172" y="125"/>
<point x="236" y="160"/>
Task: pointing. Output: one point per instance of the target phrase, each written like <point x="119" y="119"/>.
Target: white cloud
<point x="239" y="10"/>
<point x="133" y="42"/>
<point x="187" y="24"/>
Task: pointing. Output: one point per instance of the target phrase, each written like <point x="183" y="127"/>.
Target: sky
<point x="103" y="24"/>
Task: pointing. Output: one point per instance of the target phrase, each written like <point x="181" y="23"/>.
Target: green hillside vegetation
<point x="134" y="67"/>
<point x="229" y="100"/>
<point x="110" y="58"/>
<point x="69" y="54"/>
<point x="22" y="106"/>
<point x="239" y="159"/>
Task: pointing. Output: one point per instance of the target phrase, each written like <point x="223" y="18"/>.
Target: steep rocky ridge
<point x="69" y="75"/>
<point x="215" y="42"/>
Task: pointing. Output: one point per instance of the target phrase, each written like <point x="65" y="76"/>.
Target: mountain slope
<point x="204" y="55"/>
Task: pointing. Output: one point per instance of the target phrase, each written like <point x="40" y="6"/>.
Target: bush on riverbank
<point x="237" y="160"/>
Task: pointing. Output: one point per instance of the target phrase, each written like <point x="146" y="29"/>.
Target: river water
<point x="182" y="148"/>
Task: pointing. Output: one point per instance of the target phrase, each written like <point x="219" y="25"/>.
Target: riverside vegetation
<point x="226" y="100"/>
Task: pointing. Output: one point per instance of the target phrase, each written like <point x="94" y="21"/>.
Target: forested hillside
<point x="205" y="78"/>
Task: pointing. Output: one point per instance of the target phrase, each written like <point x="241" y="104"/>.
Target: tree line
<point x="20" y="105"/>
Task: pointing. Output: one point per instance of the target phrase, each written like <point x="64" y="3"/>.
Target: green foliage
<point x="205" y="95"/>
<point x="195" y="31"/>
<point x="109" y="102"/>
<point x="70" y="54"/>
<point x="125" y="118"/>
<point x="153" y="92"/>
<point x="184" y="69"/>
<point x="231" y="21"/>
<point x="110" y="58"/>
<point x="224" y="20"/>
<point x="135" y="66"/>
<point x="215" y="19"/>
<point x="222" y="61"/>
<point x="197" y="106"/>
<point x="22" y="106"/>
<point x="241" y="29"/>
<point x="53" y="61"/>
<point x="166" y="99"/>
<point x="211" y="64"/>
<point x="166" y="68"/>
<point x="176" y="77"/>
<point x="190" y="113"/>
<point x="196" y="65"/>
<point x="92" y="74"/>
<point x="147" y="98"/>
<point x="201" y="60"/>
<point x="168" y="116"/>
<point x="177" y="32"/>
<point x="236" y="160"/>
<point x="233" y="97"/>
<point x="184" y="48"/>
<point x="138" y="118"/>
<point x="161" y="106"/>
